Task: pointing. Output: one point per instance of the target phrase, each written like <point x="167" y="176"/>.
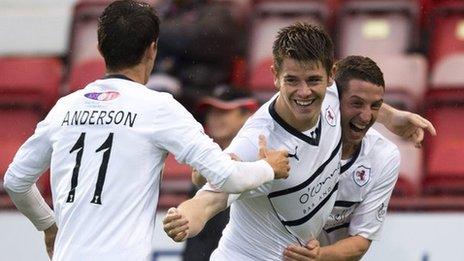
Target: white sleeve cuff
<point x="249" y="175"/>
<point x="33" y="206"/>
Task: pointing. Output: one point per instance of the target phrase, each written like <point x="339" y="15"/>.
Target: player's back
<point x="105" y="170"/>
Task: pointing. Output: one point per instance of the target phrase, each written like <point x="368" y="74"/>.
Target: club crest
<point x="330" y="116"/>
<point x="362" y="175"/>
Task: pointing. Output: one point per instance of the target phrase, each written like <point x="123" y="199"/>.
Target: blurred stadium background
<point x="48" y="49"/>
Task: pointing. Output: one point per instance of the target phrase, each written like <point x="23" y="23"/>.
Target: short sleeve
<point x="368" y="217"/>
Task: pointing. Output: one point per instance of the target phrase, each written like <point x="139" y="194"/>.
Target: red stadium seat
<point x="447" y="72"/>
<point x="176" y="176"/>
<point x="444" y="152"/>
<point x="410" y="177"/>
<point x="376" y="27"/>
<point x="404" y="74"/>
<point x="261" y="78"/>
<point x="30" y="81"/>
<point x="271" y="15"/>
<point x="447" y="33"/>
<point x="86" y="72"/>
<point x="18" y="125"/>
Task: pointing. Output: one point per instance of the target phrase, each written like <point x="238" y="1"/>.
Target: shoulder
<point x="383" y="154"/>
<point x="378" y="145"/>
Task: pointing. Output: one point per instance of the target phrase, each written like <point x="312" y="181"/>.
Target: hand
<point x="411" y="126"/>
<point x="278" y="159"/>
<point x="197" y="178"/>
<point x="50" y="235"/>
<point x="175" y="225"/>
<point x="310" y="252"/>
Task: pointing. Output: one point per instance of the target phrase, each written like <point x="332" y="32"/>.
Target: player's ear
<point x="152" y="50"/>
<point x="330" y="80"/>
<point x="275" y="74"/>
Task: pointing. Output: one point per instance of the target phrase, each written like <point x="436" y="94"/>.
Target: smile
<point x="305" y="102"/>
<point x="357" y="127"/>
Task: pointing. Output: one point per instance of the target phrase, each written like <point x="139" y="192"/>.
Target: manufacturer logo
<point x="330" y="116"/>
<point x="362" y="175"/>
<point x="102" y="96"/>
<point x="381" y="212"/>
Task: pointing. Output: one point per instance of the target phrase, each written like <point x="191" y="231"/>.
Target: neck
<point x="136" y="73"/>
<point x="349" y="148"/>
<point x="223" y="143"/>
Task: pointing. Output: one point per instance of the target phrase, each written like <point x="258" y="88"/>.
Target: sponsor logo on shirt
<point x="362" y="175"/>
<point x="330" y="116"/>
<point x="102" y="96"/>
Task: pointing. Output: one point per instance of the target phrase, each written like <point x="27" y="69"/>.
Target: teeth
<point x="362" y="127"/>
<point x="304" y="103"/>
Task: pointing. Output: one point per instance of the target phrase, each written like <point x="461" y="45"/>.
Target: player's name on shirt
<point x="99" y="117"/>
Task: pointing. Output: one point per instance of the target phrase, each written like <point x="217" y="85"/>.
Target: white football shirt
<point x="106" y="146"/>
<point x="365" y="187"/>
<point x="282" y="212"/>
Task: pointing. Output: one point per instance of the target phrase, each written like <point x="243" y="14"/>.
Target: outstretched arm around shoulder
<point x="189" y="218"/>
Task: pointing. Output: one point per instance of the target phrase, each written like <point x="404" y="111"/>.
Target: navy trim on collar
<point x="292" y="130"/>
<point x="352" y="160"/>
<point x="117" y="76"/>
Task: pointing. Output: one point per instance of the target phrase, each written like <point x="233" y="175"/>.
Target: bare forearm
<point x="201" y="208"/>
<point x="348" y="249"/>
<point x="386" y="114"/>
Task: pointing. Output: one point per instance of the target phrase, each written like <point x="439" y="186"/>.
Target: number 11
<point x="79" y="146"/>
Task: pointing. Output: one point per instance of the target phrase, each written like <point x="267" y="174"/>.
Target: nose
<point x="366" y="115"/>
<point x="305" y="91"/>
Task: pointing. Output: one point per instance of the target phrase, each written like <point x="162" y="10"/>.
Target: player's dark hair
<point x="305" y="43"/>
<point x="357" y="67"/>
<point x="125" y="30"/>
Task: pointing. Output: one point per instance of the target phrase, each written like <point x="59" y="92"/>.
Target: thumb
<point x="172" y="211"/>
<point x="262" y="146"/>
<point x="312" y="244"/>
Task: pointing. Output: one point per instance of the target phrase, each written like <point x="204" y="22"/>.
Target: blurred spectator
<point x="197" y="43"/>
<point x="225" y="113"/>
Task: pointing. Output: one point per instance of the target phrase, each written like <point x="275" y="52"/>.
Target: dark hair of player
<point x="125" y="30"/>
<point x="303" y="42"/>
<point x="357" y="67"/>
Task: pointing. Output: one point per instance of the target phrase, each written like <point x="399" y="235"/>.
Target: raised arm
<point x="189" y="218"/>
<point x="406" y="124"/>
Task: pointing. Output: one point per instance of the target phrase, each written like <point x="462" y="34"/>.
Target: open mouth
<point x="357" y="127"/>
<point x="304" y="103"/>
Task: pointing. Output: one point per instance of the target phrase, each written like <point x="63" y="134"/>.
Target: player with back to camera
<point x="304" y="118"/>
<point x="106" y="145"/>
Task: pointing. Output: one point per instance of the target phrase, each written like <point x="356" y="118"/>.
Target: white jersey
<point x="365" y="187"/>
<point x="282" y="212"/>
<point x="106" y="146"/>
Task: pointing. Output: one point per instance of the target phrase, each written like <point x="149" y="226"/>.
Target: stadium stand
<point x="175" y="184"/>
<point x="447" y="31"/>
<point x="85" y="62"/>
<point x="30" y="81"/>
<point x="17" y="125"/>
<point x="405" y="79"/>
<point x="444" y="153"/>
<point x="376" y="27"/>
<point x="268" y="16"/>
